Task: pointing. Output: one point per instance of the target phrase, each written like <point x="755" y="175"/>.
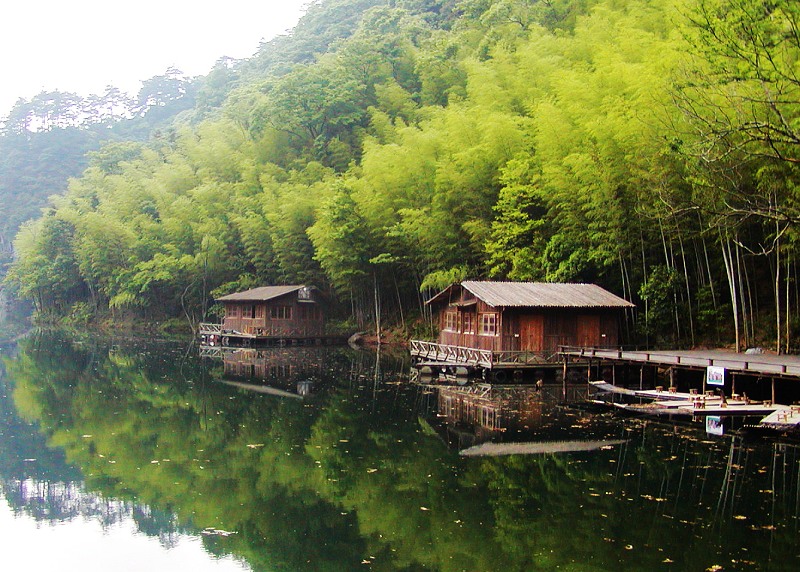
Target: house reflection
<point x="293" y="369"/>
<point x="470" y="415"/>
<point x="478" y="413"/>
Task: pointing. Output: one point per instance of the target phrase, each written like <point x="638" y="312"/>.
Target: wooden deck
<point x="769" y="365"/>
<point x="442" y="354"/>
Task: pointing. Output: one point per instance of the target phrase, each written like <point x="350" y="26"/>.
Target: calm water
<point x="134" y="456"/>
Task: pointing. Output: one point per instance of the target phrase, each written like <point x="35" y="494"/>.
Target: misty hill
<point x="388" y="148"/>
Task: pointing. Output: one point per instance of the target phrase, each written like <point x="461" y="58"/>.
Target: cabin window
<point x="488" y="324"/>
<point x="469" y="323"/>
<point x="280" y="312"/>
<point x="259" y="311"/>
<point x="250" y="311"/>
<point x="451" y="321"/>
<point x="307" y="313"/>
<point x="233" y="311"/>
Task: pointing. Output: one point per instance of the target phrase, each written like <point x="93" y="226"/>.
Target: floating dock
<point x="774" y="416"/>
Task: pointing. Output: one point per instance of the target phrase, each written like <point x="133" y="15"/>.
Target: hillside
<point x="384" y="148"/>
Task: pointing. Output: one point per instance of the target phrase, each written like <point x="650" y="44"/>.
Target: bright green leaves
<point x="341" y="241"/>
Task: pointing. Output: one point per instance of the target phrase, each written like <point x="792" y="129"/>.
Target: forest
<point x="385" y="148"/>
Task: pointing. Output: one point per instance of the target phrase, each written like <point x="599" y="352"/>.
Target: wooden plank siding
<point x="284" y="316"/>
<point x="528" y="329"/>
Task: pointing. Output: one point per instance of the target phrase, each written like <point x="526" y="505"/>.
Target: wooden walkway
<point x="769" y="365"/>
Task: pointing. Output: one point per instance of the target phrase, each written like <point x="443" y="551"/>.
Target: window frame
<point x="487" y="324"/>
<point x="451" y="321"/>
<point x="468" y="323"/>
<point x="282" y="312"/>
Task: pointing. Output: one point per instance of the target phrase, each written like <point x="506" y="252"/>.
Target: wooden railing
<point x="211" y="351"/>
<point x="476" y="357"/>
<point x="206" y="328"/>
<point x="451" y="354"/>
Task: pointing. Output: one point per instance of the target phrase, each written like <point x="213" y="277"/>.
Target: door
<point x="588" y="331"/>
<point x="531" y="333"/>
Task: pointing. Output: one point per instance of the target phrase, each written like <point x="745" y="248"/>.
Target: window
<point x="233" y="311"/>
<point x="469" y="323"/>
<point x="451" y="321"/>
<point x="306" y="313"/>
<point x="250" y="311"/>
<point x="280" y="312"/>
<point x="488" y="324"/>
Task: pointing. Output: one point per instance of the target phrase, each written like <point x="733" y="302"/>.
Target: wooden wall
<point x="282" y="317"/>
<point x="530" y="329"/>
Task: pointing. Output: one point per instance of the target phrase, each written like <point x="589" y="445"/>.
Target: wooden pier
<point x="767" y="365"/>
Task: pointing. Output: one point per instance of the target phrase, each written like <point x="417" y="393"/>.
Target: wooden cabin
<point x="285" y="313"/>
<point x="528" y="316"/>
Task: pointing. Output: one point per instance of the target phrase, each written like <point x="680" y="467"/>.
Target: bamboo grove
<point x="651" y="146"/>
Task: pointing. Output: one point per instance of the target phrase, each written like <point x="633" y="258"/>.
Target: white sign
<point x="715" y="375"/>
<point x="714" y="425"/>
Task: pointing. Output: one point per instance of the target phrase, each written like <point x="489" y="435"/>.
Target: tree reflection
<point x="352" y="475"/>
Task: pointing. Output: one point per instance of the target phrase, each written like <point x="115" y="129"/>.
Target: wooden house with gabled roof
<point x="284" y="314"/>
<point x="497" y="324"/>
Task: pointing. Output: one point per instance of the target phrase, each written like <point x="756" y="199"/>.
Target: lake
<point x="132" y="455"/>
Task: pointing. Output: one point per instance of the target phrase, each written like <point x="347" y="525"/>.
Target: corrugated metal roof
<point x="261" y="294"/>
<point x="543" y="295"/>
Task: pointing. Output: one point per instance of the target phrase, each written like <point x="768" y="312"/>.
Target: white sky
<point x="82" y="46"/>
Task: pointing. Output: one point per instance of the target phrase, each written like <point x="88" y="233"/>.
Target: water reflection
<point x="359" y="472"/>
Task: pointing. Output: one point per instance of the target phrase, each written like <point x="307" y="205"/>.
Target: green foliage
<point x="659" y="294"/>
<point x="382" y="146"/>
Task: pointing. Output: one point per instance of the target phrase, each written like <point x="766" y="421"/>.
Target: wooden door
<point x="588" y="331"/>
<point x="531" y="333"/>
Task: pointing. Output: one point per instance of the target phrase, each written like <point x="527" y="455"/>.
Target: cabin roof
<point x="536" y="294"/>
<point x="261" y="294"/>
